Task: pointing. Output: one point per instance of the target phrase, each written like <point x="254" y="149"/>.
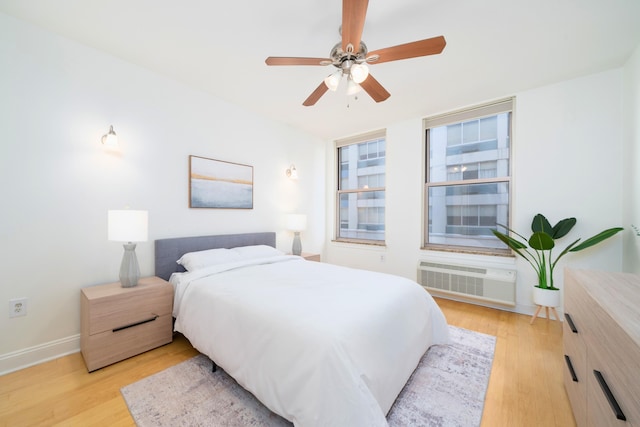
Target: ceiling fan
<point x="350" y="56"/>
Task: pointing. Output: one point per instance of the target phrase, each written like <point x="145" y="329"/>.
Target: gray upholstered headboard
<point x="168" y="251"/>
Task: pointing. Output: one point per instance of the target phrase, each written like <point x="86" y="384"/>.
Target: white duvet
<point x="318" y="344"/>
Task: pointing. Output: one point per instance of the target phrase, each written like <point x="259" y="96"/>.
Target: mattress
<point x="318" y="344"/>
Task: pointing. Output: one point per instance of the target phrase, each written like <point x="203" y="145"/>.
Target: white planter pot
<point x="546" y="297"/>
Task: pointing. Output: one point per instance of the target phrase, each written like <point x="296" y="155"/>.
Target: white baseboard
<point x="24" y="358"/>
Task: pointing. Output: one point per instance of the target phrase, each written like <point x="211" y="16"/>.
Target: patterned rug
<point x="446" y="389"/>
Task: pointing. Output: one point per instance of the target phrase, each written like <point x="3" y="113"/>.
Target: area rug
<point x="446" y="389"/>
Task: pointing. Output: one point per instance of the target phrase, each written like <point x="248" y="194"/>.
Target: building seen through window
<point x="361" y="188"/>
<point x="468" y="177"/>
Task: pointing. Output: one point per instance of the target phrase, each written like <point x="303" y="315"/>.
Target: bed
<point x="318" y="344"/>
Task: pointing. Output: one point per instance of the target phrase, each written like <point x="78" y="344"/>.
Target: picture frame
<point x="217" y="184"/>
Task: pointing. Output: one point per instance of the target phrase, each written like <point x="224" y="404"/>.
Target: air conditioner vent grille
<point x="476" y="283"/>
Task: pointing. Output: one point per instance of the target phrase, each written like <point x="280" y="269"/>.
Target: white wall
<point x="567" y="157"/>
<point x="631" y="182"/>
<point x="57" y="99"/>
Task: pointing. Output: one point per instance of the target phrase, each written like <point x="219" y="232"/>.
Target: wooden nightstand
<point x="117" y="323"/>
<point x="310" y="257"/>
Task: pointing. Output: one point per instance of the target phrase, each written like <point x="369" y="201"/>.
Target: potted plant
<point x="538" y="252"/>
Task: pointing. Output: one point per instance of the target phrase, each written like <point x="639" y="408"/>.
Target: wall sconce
<point x="292" y="172"/>
<point x="110" y="139"/>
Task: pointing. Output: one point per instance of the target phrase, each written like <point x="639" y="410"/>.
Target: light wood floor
<point x="525" y="388"/>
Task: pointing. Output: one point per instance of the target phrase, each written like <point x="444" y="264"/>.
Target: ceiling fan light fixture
<point x="359" y="72"/>
<point x="353" y="87"/>
<point x="332" y="81"/>
<point x="351" y="56"/>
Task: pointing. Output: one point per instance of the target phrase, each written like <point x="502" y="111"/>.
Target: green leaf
<point x="563" y="253"/>
<point x="509" y="241"/>
<point x="541" y="224"/>
<point x="597" y="238"/>
<point x="513" y="231"/>
<point x="541" y="241"/>
<point x="562" y="228"/>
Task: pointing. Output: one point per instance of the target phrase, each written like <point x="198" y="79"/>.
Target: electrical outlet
<point x="17" y="307"/>
<point x="383" y="257"/>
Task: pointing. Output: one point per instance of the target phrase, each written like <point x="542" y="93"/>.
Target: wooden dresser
<point x="601" y="338"/>
<point x="117" y="323"/>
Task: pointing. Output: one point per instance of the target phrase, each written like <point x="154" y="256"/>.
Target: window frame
<point x="460" y="116"/>
<point x="355" y="140"/>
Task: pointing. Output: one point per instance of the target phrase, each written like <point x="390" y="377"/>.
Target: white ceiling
<point x="495" y="48"/>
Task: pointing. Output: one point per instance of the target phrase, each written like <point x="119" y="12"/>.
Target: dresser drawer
<point x="577" y="305"/>
<point x="616" y="378"/>
<point x="611" y="343"/>
<point x="604" y="310"/>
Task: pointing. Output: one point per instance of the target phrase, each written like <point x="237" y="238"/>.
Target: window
<point x="361" y="188"/>
<point x="468" y="178"/>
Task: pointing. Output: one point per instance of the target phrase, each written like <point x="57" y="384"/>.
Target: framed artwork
<point x="218" y="184"/>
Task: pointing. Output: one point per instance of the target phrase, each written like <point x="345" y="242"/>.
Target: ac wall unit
<point x="493" y="285"/>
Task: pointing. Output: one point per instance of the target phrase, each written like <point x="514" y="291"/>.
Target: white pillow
<point x="257" y="251"/>
<point x="193" y="261"/>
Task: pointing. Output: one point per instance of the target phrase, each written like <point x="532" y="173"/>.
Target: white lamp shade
<point x="353" y="87"/>
<point x="128" y="226"/>
<point x="333" y="80"/>
<point x="359" y="72"/>
<point x="296" y="222"/>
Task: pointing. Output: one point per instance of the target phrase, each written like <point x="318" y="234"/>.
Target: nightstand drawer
<point x="109" y="347"/>
<point x="112" y="306"/>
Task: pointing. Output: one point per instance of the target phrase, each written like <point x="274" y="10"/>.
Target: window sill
<point x="460" y="250"/>
<point x="360" y="242"/>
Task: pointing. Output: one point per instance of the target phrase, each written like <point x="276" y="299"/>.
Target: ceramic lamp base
<point x="129" y="269"/>
<point x="297" y="245"/>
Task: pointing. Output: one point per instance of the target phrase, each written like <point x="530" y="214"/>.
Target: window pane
<point x="382" y="148"/>
<point x="479" y="155"/>
<point x="489" y="128"/>
<point x="362" y="165"/>
<point x="470" y="171"/>
<point x="463" y="215"/>
<point x="362" y="151"/>
<point x="362" y="215"/>
<point x="470" y="131"/>
<point x="361" y="196"/>
<point x="488" y="170"/>
<point x="454" y="134"/>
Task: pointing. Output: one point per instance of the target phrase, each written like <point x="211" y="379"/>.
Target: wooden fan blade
<point x="354" y="13"/>
<point x="425" y="47"/>
<point x="315" y="95"/>
<point x="375" y="89"/>
<point x="285" y="60"/>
